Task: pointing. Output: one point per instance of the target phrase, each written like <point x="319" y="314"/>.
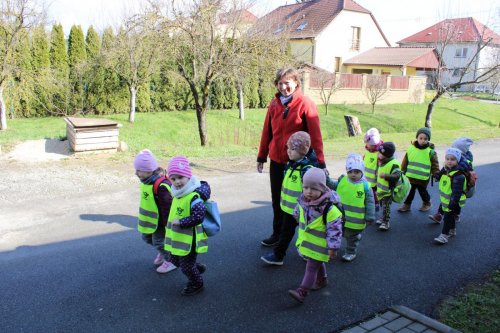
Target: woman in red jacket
<point x="290" y="111"/>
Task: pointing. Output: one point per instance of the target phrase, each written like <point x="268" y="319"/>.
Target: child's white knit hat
<point x="372" y="137"/>
<point x="354" y="162"/>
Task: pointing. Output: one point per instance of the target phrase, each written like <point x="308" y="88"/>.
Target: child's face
<point x="422" y="139"/>
<point x="354" y="175"/>
<point x="178" y="181"/>
<point x="293" y="154"/>
<point x="450" y="161"/>
<point x="311" y="193"/>
<point x="380" y="156"/>
<point x="143" y="174"/>
<point x="371" y="147"/>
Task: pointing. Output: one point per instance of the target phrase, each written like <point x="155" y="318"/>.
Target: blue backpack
<point x="211" y="223"/>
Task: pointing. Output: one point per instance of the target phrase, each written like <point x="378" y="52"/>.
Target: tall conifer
<point x="77" y="56"/>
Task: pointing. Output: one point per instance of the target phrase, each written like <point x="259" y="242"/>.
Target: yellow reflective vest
<point x="178" y="240"/>
<point x="419" y="163"/>
<point x="352" y="197"/>
<point x="148" y="209"/>
<point x="311" y="240"/>
<point x="370" y="160"/>
<point x="383" y="188"/>
<point x="291" y="189"/>
<point x="445" y="191"/>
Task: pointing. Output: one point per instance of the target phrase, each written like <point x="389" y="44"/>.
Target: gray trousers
<point x="156" y="239"/>
<point x="352" y="237"/>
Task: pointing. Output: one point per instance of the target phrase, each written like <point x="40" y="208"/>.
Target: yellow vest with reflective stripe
<point x="148" y="209"/>
<point x="445" y="191"/>
<point x="312" y="237"/>
<point x="178" y="241"/>
<point x="291" y="189"/>
<point x="419" y="163"/>
<point x="352" y="197"/>
<point x="370" y="160"/>
<point x="383" y="189"/>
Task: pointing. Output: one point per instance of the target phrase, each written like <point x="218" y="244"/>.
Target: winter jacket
<point x="457" y="187"/>
<point x="434" y="164"/>
<point x="198" y="210"/>
<point x="300" y="114"/>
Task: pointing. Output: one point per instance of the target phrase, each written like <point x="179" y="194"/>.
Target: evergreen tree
<point x="40" y="50"/>
<point x="115" y="92"/>
<point x="60" y="69"/>
<point x="77" y="57"/>
<point x="40" y="61"/>
<point x="58" y="53"/>
<point x="94" y="77"/>
<point x="21" y="85"/>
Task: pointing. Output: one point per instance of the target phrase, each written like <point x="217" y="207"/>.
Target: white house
<point x="458" y="41"/>
<point x="325" y="32"/>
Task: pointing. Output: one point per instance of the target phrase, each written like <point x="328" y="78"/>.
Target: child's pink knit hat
<point x="179" y="165"/>
<point x="145" y="161"/>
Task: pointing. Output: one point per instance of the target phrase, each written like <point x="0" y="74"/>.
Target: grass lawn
<point x="171" y="133"/>
<point x="477" y="309"/>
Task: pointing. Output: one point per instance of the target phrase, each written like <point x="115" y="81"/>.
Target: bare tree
<point x="200" y="49"/>
<point x="472" y="72"/>
<point x="375" y="88"/>
<point x="15" y="16"/>
<point x="135" y="53"/>
<point x="329" y="84"/>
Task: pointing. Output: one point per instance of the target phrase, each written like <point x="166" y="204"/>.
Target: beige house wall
<point x="414" y="94"/>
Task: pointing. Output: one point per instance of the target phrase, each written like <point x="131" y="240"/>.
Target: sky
<point x="397" y="18"/>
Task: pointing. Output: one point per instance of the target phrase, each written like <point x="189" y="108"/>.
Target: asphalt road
<point x="79" y="265"/>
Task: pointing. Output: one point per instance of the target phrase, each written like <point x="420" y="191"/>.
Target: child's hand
<point x="176" y="222"/>
<point x="332" y="253"/>
<point x="382" y="175"/>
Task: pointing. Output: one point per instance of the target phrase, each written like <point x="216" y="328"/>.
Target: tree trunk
<point x="353" y="126"/>
<point x="241" y="106"/>
<point x="201" y="115"/>
<point x="430" y="108"/>
<point x="326" y="109"/>
<point x="373" y="107"/>
<point x="133" y="93"/>
<point x="3" y="111"/>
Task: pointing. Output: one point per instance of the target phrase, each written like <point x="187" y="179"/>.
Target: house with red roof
<point x="459" y="42"/>
<point x="397" y="61"/>
<point x="325" y="32"/>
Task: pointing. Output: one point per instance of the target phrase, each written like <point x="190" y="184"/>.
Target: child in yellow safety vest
<point x="452" y="185"/>
<point x="185" y="237"/>
<point x="389" y="175"/>
<point x="320" y="231"/>
<point x="301" y="158"/>
<point x="154" y="206"/>
<point x="357" y="201"/>
<point x="419" y="164"/>
<point x="372" y="142"/>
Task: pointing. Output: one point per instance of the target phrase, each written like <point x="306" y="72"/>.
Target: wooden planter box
<point x="89" y="134"/>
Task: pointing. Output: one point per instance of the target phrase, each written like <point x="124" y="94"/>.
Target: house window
<point x="338" y="61"/>
<point x="457" y="72"/>
<point x="356" y="38"/>
<point x="302" y="26"/>
<point x="278" y="30"/>
<point x="461" y="52"/>
<point x="362" y="71"/>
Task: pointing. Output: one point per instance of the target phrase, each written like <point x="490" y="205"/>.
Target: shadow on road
<point x="128" y="221"/>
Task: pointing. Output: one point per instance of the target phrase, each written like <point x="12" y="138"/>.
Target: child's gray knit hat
<point x="463" y="144"/>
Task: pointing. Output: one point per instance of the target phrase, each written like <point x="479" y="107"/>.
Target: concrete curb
<point x="398" y="319"/>
<point x="416" y="316"/>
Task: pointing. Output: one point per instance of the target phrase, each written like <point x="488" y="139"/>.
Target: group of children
<point x="325" y="210"/>
<point x="171" y="211"/>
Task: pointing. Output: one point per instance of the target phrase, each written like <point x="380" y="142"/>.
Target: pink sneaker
<point x="159" y="259"/>
<point x="166" y="267"/>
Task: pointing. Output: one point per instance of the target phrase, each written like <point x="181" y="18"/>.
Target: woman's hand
<point x="260" y="167"/>
<point x="332" y="253"/>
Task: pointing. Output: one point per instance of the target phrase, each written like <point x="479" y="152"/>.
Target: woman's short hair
<point x="287" y="73"/>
